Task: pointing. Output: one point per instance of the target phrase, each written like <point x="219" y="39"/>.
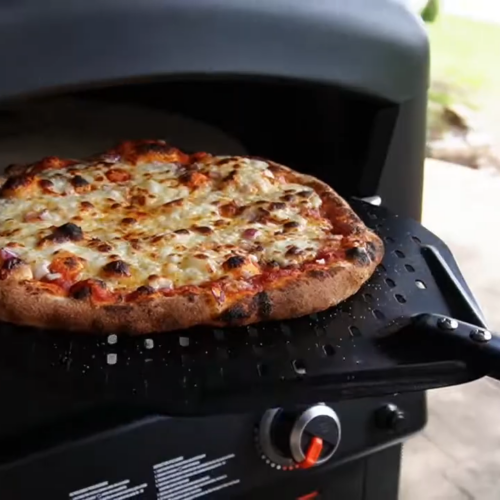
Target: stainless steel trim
<point x="265" y="440"/>
<point x="481" y="336"/>
<point x="298" y="428"/>
<point x="448" y="324"/>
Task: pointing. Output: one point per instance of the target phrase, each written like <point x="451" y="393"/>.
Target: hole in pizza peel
<point x="378" y="314"/>
<point x="416" y="240"/>
<point x="420" y="284"/>
<point x="400" y="254"/>
<point x="390" y="282"/>
<point x="409" y="268"/>
<point x="368" y="297"/>
<point x="299" y="366"/>
<point x="400" y="298"/>
<point x="329" y="350"/>
<point x="263" y="370"/>
<point x="382" y="268"/>
<point x="354" y="331"/>
<point x="388" y="239"/>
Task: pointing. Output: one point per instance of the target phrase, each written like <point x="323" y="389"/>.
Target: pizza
<point x="145" y="238"/>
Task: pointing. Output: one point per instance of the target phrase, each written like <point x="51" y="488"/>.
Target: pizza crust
<point x="310" y="293"/>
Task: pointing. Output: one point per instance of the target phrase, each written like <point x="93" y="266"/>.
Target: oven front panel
<point x="187" y="458"/>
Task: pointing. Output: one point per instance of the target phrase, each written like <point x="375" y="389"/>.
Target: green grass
<point x="465" y="61"/>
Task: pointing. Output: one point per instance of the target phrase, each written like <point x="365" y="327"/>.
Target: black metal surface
<point x="471" y="342"/>
<point x="145" y="450"/>
<point x="461" y="299"/>
<point x="333" y="355"/>
<point x="401" y="183"/>
<point x="373" y="478"/>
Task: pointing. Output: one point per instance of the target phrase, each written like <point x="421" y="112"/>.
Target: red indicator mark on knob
<point x="312" y="453"/>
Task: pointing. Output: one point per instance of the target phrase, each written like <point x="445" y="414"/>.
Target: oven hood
<point x="378" y="48"/>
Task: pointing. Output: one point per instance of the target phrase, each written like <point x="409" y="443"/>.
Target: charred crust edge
<point x="318" y="274"/>
<point x="264" y="304"/>
<point x="15" y="182"/>
<point x="234" y="315"/>
<point x="374" y="250"/>
<point x="82" y="293"/>
<point x="359" y="256"/>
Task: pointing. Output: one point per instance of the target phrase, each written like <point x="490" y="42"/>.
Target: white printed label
<point x="187" y="479"/>
<point x="175" y="479"/>
<point x="106" y="491"/>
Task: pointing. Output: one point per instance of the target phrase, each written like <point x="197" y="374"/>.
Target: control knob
<point x="289" y="440"/>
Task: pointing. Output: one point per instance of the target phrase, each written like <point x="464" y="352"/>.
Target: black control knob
<point x="390" y="417"/>
<point x="291" y="440"/>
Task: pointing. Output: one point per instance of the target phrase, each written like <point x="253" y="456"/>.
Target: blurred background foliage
<point x="464" y="94"/>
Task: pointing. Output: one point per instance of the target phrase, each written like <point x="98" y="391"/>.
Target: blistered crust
<point x="312" y="292"/>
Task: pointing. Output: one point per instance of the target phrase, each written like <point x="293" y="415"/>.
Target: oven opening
<point x="314" y="129"/>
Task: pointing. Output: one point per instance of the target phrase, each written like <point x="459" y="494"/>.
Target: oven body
<point x="334" y="89"/>
<point x="119" y="452"/>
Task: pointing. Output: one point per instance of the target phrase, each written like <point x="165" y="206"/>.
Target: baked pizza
<point x="145" y="238"/>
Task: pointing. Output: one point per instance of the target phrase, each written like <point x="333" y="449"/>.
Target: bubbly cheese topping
<point x="161" y="224"/>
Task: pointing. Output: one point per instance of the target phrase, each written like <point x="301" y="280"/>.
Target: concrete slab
<point x="425" y="478"/>
<point x="458" y="455"/>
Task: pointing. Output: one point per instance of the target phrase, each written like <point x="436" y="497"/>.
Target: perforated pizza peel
<point x="344" y="352"/>
<point x="369" y="345"/>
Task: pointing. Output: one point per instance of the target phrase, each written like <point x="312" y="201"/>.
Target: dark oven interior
<point x="312" y="128"/>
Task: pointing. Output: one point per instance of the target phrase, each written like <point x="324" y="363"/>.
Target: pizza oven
<point x="312" y="408"/>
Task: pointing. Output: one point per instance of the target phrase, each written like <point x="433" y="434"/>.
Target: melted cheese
<point x="135" y="219"/>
